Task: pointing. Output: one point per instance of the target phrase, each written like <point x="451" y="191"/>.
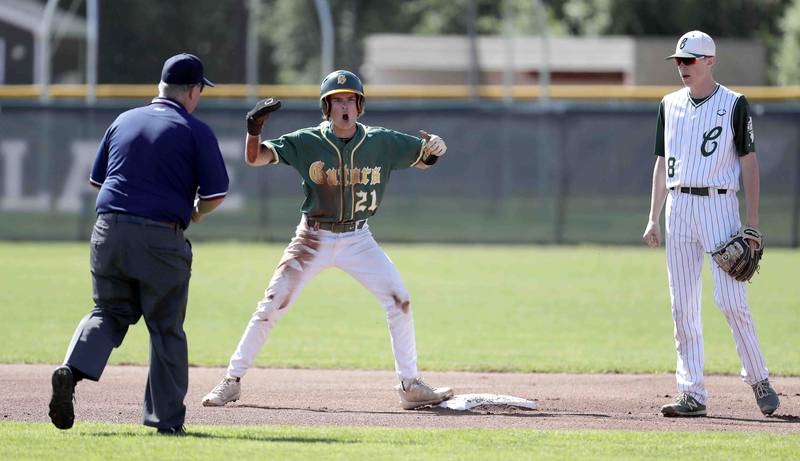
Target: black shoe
<point x="62" y="413"/>
<point x="766" y="397"/>
<point x="684" y="405"/>
<point x="176" y="431"/>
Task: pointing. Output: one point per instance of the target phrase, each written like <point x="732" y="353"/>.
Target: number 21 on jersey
<point x="363" y="198"/>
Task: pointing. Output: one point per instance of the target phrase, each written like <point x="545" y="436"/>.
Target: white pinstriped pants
<point x="312" y="251"/>
<point x="696" y="225"/>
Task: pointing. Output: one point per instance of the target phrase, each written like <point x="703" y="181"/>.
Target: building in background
<point x="396" y="59"/>
<point x="20" y="32"/>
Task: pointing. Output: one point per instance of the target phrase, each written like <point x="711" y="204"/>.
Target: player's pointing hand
<point x="434" y="145"/>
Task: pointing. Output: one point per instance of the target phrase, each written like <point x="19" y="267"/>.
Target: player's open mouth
<point x="345" y="117"/>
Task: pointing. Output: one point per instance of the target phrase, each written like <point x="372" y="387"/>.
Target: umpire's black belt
<point x="122" y="217"/>
<point x="337" y="227"/>
<point x="698" y="190"/>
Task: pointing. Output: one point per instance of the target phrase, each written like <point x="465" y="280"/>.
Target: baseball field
<point x="585" y="331"/>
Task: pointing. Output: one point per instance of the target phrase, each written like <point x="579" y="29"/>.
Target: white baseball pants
<point x="696" y="225"/>
<point x="311" y="251"/>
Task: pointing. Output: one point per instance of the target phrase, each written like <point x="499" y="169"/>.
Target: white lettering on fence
<point x="77" y="183"/>
<point x="14" y="153"/>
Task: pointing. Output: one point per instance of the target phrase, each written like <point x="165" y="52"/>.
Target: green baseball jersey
<point x="345" y="181"/>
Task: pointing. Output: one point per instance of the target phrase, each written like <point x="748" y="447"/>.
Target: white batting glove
<point x="434" y="145"/>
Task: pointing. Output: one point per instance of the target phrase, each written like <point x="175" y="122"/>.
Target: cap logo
<point x="683" y="42"/>
<point x="341" y="79"/>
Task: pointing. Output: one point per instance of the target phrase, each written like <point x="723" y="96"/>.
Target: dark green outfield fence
<point x="565" y="173"/>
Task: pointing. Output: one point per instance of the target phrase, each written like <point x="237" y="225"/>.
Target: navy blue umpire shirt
<point x="154" y="159"/>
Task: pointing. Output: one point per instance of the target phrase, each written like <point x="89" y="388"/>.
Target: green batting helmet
<point x="340" y="81"/>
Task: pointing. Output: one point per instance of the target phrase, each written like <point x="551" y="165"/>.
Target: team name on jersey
<point x="332" y="176"/>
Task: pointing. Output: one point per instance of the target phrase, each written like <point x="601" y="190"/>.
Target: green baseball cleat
<point x="684" y="405"/>
<point x="766" y="397"/>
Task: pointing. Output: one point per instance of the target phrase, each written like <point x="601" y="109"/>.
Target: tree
<point x="750" y="19"/>
<point x="136" y="36"/>
<point x="719" y="18"/>
<point x="292" y="27"/>
<point x="586" y="17"/>
<point x="787" y="64"/>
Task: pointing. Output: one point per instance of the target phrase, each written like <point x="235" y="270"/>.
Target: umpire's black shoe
<point x="175" y="431"/>
<point x="62" y="413"/>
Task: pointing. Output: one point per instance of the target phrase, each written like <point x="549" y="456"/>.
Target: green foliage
<point x="749" y="19"/>
<point x="787" y="60"/>
<point x="293" y="32"/>
<point x="444" y="17"/>
<point x="587" y="17"/>
<point x="138" y="35"/>
<point x="719" y="18"/>
<point x="447" y="17"/>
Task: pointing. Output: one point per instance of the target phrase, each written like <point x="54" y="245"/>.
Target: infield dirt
<point x="367" y="398"/>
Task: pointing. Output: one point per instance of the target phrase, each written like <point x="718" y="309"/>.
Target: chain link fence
<point x="563" y="173"/>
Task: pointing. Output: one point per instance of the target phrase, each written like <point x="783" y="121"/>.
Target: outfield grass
<point x="91" y="441"/>
<point x="510" y="308"/>
<point x="417" y="216"/>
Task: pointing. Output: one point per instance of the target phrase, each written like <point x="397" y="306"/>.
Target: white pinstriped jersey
<point x="699" y="140"/>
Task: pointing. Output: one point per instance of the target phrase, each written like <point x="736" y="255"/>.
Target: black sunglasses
<point x="688" y="61"/>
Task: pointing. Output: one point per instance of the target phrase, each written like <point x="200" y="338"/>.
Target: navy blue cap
<point x="184" y="69"/>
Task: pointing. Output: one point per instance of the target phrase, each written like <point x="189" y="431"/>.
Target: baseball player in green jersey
<point x="345" y="167"/>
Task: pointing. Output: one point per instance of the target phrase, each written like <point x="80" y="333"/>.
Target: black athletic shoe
<point x="684" y="405"/>
<point x="175" y="431"/>
<point x="62" y="413"/>
<point x="766" y="397"/>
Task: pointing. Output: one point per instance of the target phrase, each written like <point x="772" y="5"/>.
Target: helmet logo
<point x="341" y="79"/>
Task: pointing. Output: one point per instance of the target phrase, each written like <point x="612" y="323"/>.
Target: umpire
<point x="157" y="168"/>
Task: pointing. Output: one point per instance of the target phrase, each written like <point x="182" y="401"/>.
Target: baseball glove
<point x="259" y="113"/>
<point x="740" y="254"/>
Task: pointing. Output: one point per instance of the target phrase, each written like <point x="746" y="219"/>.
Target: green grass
<point x="88" y="442"/>
<point x="511" y="308"/>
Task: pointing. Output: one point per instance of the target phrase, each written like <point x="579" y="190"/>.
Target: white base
<point x="462" y="402"/>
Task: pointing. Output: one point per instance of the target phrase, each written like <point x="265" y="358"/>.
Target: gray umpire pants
<point x="140" y="268"/>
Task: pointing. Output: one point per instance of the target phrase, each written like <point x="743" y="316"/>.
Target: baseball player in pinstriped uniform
<point x="345" y="167"/>
<point x="704" y="141"/>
